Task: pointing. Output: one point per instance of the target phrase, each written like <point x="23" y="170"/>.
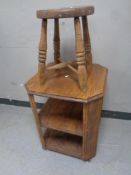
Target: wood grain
<point x="62" y="116"/>
<point x="83" y="49"/>
<point x="60" y="87"/>
<point x="69" y="121"/>
<point x="56" y="41"/>
<point x="80" y="56"/>
<point x="42" y="50"/>
<point x="87" y="44"/>
<point x="64" y="143"/>
<point x="34" y="110"/>
<point x="71" y="134"/>
<point x="71" y="66"/>
<point x="66" y="12"/>
<point x="91" y="121"/>
<point x="60" y="65"/>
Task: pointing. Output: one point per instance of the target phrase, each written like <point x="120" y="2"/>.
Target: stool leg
<point x="42" y="50"/>
<point x="87" y="44"/>
<point x="56" y="41"/>
<point x="80" y="55"/>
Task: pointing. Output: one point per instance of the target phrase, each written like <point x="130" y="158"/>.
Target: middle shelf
<point x="62" y="115"/>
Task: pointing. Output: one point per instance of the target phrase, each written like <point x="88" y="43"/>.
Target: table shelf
<point x="69" y="121"/>
<point x="62" y="116"/>
<point x="63" y="143"/>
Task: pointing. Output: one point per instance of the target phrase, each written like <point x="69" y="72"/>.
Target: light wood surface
<point x="69" y="121"/>
<point x="37" y="120"/>
<point x="87" y="44"/>
<point x="60" y="65"/>
<point x="66" y="12"/>
<point x="70" y="127"/>
<point x="61" y="87"/>
<point x="80" y="56"/>
<point x="62" y="116"/>
<point x="82" y="44"/>
<point x="42" y="50"/>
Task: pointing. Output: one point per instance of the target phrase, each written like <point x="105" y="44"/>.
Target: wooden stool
<point x="69" y="121"/>
<point x="78" y="67"/>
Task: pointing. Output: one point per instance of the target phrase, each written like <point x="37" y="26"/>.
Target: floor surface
<point x="21" y="152"/>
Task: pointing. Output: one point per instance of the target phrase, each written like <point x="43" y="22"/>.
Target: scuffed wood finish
<point x="87" y="44"/>
<point x="69" y="120"/>
<point x="80" y="56"/>
<point x="83" y="48"/>
<point x="56" y="41"/>
<point x="37" y="120"/>
<point x="62" y="116"/>
<point x="42" y="50"/>
<point x="72" y="127"/>
<point x="71" y="66"/>
<point x="61" y="87"/>
<point x="60" y="65"/>
<point x="66" y="12"/>
<point x="91" y="121"/>
<point x="64" y="143"/>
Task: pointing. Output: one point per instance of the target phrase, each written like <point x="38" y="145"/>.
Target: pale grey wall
<point x="110" y="30"/>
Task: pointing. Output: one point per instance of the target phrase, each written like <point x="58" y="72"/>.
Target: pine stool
<point x="69" y="121"/>
<point x="78" y="67"/>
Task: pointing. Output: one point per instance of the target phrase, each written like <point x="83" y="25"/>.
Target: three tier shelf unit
<point x="69" y="121"/>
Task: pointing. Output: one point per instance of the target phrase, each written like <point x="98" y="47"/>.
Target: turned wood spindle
<point x="56" y="41"/>
<point x="86" y="38"/>
<point x="80" y="56"/>
<point x="42" y="50"/>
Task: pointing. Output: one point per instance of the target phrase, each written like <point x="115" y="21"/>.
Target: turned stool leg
<point x="42" y="50"/>
<point x="56" y="41"/>
<point x="80" y="55"/>
<point x="87" y="44"/>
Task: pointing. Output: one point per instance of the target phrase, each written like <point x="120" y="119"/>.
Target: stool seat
<point x="66" y="12"/>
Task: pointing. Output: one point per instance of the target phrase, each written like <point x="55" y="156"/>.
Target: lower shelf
<point x="64" y="143"/>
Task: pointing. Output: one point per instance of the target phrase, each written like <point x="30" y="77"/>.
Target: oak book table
<point x="69" y="121"/>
